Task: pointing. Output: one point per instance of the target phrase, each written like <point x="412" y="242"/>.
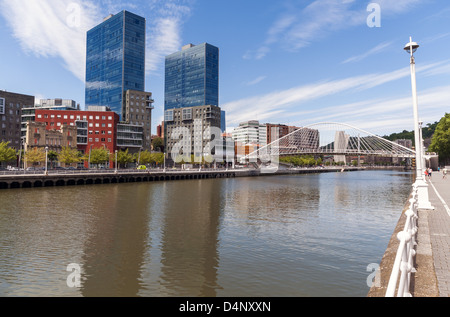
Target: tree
<point x="123" y="157"/>
<point x="145" y="158"/>
<point x="52" y="157"/>
<point x="7" y="154"/>
<point x="158" y="144"/>
<point x="440" y="143"/>
<point x="69" y="155"/>
<point x="34" y="156"/>
<point x="158" y="158"/>
<point x="99" y="156"/>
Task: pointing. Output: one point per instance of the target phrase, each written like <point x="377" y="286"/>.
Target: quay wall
<point x="15" y="181"/>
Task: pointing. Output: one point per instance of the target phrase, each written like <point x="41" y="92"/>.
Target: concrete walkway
<point x="439" y="231"/>
<point x="432" y="260"/>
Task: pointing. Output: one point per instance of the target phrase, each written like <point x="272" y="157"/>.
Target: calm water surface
<point x="307" y="235"/>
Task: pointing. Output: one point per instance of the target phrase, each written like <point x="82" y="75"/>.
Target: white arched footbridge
<point x="327" y="138"/>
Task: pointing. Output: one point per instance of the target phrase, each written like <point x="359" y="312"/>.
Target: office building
<point x="191" y="130"/>
<point x="138" y="112"/>
<point x="191" y="95"/>
<point x="292" y="142"/>
<point x="11" y="105"/>
<point x="115" y="61"/>
<point x="192" y="77"/>
<point x="251" y="132"/>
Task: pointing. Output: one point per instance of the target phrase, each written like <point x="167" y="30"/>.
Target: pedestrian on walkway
<point x="429" y="172"/>
<point x="444" y="173"/>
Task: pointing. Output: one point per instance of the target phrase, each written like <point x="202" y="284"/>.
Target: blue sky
<point x="295" y="62"/>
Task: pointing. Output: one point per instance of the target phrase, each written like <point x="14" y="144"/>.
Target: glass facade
<point x="115" y="60"/>
<point x="192" y="77"/>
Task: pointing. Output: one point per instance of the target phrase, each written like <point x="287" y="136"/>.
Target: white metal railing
<point x="404" y="260"/>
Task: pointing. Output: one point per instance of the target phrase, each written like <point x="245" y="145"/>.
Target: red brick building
<point x="95" y="129"/>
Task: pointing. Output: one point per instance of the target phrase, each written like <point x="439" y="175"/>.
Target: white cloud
<point x="300" y="27"/>
<point x="281" y="105"/>
<point x="57" y="28"/>
<point x="164" y="36"/>
<point x="256" y="80"/>
<point x="52" y="28"/>
<point x="377" y="49"/>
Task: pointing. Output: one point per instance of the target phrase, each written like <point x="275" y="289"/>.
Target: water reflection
<point x="307" y="235"/>
<point x="190" y="237"/>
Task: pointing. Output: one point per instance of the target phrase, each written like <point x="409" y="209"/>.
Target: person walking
<point x="444" y="173"/>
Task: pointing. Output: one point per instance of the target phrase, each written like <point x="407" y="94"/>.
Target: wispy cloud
<point x="377" y="49"/>
<point x="52" y="28"/>
<point x="58" y="28"/>
<point x="256" y="81"/>
<point x="164" y="36"/>
<point x="285" y="104"/>
<point x="302" y="26"/>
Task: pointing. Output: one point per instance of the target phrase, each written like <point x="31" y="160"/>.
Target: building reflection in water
<point x="189" y="238"/>
<point x="117" y="241"/>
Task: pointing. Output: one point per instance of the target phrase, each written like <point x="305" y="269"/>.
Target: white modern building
<point x="251" y="132"/>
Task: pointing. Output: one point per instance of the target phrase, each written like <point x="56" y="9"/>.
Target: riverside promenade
<point x="432" y="260"/>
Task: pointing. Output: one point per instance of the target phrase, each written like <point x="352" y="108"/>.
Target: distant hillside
<point x="427" y="132"/>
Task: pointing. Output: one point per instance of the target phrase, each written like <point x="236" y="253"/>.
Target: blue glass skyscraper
<point x="115" y="60"/>
<point x="192" y="77"/>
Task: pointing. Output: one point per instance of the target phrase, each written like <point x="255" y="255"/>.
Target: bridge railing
<point x="400" y="278"/>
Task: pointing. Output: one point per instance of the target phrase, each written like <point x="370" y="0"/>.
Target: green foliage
<point x="440" y="143"/>
<point x="145" y="158"/>
<point x="99" y="156"/>
<point x="305" y="160"/>
<point x="123" y="157"/>
<point x="69" y="155"/>
<point x="7" y="154"/>
<point x="427" y="132"/>
<point x="35" y="156"/>
<point x="158" y="144"/>
<point x="52" y="156"/>
<point x="158" y="158"/>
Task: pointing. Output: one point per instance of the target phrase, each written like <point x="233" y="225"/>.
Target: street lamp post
<point x="46" y="158"/>
<point x="139" y="158"/>
<point x="116" y="163"/>
<point x="164" y="162"/>
<point x="89" y="161"/>
<point x="420" y="184"/>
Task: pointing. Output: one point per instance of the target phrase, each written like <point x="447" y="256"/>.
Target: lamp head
<point x="411" y="46"/>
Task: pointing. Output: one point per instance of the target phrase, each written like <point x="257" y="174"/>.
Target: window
<point x="2" y="105"/>
<point x="187" y="114"/>
<point x="168" y="115"/>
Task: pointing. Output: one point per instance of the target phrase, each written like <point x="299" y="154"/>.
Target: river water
<point x="302" y="235"/>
